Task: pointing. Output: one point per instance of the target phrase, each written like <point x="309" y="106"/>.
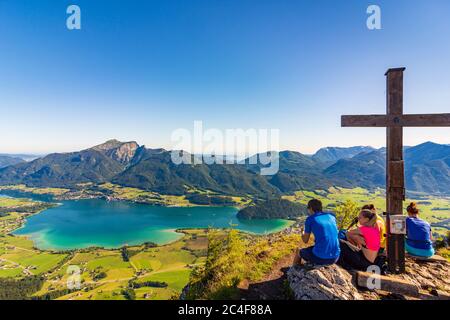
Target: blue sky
<point x="137" y="70"/>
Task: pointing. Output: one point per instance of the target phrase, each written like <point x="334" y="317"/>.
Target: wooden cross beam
<point x="394" y="121"/>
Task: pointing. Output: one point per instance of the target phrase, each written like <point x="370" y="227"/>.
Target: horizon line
<point x="43" y="154"/>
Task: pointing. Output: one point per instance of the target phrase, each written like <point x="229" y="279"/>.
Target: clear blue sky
<point x="137" y="70"/>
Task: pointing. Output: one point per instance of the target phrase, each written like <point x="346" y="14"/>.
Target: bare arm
<point x="305" y="237"/>
<point x="355" y="237"/>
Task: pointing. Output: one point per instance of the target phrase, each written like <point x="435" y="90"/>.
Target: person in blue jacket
<point x="322" y="225"/>
<point x="418" y="234"/>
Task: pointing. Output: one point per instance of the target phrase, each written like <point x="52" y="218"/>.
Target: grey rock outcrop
<point x="322" y="283"/>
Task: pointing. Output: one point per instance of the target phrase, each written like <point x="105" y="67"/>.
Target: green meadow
<point x="18" y="257"/>
<point x="104" y="274"/>
<point x="170" y="264"/>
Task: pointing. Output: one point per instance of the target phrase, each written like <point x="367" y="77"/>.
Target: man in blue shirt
<point x="322" y="225"/>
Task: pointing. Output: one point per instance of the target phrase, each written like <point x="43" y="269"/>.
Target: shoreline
<point x="21" y="220"/>
<point x="84" y="194"/>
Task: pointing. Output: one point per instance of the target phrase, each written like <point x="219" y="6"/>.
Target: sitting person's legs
<point x="345" y="256"/>
<point x="350" y="259"/>
<point x="308" y="255"/>
<point x="426" y="253"/>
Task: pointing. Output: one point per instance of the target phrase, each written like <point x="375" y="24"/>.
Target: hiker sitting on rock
<point x="381" y="225"/>
<point x="360" y="250"/>
<point x="326" y="244"/>
<point x="419" y="237"/>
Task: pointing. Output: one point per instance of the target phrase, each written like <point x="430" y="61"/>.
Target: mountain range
<point x="333" y="154"/>
<point x="427" y="169"/>
<point x="7" y="160"/>
<point x="21" y="156"/>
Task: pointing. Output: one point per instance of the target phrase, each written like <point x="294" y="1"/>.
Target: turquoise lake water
<point x="85" y="223"/>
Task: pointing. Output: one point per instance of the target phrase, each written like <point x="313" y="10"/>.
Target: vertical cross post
<point x="395" y="182"/>
<point x="394" y="121"/>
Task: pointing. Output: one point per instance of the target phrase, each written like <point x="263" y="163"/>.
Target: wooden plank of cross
<point x="394" y="121"/>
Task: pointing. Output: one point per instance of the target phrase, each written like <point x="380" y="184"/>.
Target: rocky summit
<point x="429" y="279"/>
<point x="324" y="283"/>
<point x="122" y="152"/>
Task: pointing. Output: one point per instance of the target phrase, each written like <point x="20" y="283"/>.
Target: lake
<point x="85" y="223"/>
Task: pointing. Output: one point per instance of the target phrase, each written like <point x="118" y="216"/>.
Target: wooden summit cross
<point x="394" y="121"/>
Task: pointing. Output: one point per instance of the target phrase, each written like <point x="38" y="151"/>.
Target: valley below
<point x="112" y="244"/>
<point x="133" y="255"/>
<point x="156" y="271"/>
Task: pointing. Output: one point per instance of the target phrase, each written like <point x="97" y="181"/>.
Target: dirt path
<point x="24" y="269"/>
<point x="25" y="249"/>
<point x="272" y="286"/>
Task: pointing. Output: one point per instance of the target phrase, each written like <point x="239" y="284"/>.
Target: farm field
<point x="170" y="264"/>
<point x="18" y="257"/>
<point x="104" y="274"/>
